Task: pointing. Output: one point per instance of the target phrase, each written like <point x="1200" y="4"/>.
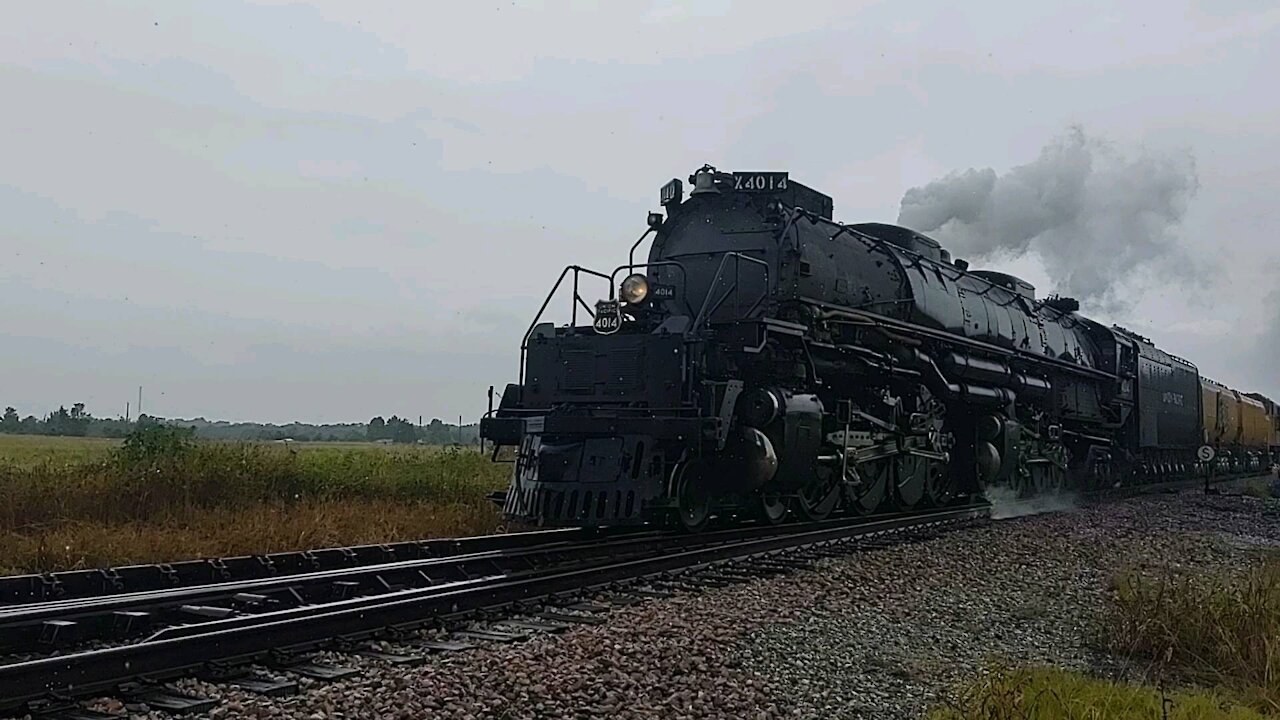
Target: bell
<point x="704" y="181"/>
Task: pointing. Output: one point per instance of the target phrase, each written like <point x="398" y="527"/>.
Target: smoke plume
<point x="1094" y="215"/>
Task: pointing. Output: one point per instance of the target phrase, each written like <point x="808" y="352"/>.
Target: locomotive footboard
<point x="575" y="470"/>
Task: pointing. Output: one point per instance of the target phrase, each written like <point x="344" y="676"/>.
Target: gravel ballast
<point x="879" y="634"/>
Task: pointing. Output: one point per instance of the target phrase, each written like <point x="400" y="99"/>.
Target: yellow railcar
<point x="1241" y="427"/>
<point x="1221" y="408"/>
<point x="1255" y="426"/>
<point x="1273" y="418"/>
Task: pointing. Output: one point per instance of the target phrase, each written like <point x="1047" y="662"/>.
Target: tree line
<point x="77" y="422"/>
<point x="437" y="432"/>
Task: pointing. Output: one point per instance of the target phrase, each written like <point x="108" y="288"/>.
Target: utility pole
<point x="126" y="411"/>
<point x="139" y="402"/>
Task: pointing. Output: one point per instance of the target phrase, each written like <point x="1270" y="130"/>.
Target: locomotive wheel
<point x="874" y="486"/>
<point x="693" y="500"/>
<point x="938" y="488"/>
<point x="773" y="508"/>
<point x="913" y="479"/>
<point x="818" y="498"/>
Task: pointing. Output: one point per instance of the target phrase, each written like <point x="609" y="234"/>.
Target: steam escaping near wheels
<point x="1005" y="502"/>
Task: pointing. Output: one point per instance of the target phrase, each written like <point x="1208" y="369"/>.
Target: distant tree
<point x="110" y="428"/>
<point x="77" y="422"/>
<point x="156" y="443"/>
<point x="57" y="423"/>
<point x="403" y="431"/>
<point x="377" y="429"/>
<point x="10" y="423"/>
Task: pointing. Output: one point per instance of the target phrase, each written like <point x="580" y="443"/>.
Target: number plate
<point x="661" y="292"/>
<point x="608" y="317"/>
<point x="671" y="192"/>
<point x="760" y="181"/>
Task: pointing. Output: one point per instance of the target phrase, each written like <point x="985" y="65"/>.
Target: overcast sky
<point x="325" y="211"/>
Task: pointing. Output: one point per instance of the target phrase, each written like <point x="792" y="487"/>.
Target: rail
<point x="17" y="590"/>
<point x="182" y="650"/>
<point x="578" y="271"/>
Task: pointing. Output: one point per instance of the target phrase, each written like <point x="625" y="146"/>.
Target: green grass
<point x="1213" y="638"/>
<point x="78" y="502"/>
<point x="1054" y="694"/>
<point x="31" y="450"/>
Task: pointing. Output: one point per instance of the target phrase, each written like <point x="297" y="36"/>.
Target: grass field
<point x="32" y="450"/>
<point x="86" y="502"/>
<point x="1207" y="647"/>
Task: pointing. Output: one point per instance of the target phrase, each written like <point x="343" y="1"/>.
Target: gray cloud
<point x="326" y="210"/>
<point x="1096" y="216"/>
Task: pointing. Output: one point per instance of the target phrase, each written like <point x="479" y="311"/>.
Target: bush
<point x="149" y="444"/>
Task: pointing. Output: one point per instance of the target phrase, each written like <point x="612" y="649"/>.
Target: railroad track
<point x="127" y="644"/>
<point x="41" y="587"/>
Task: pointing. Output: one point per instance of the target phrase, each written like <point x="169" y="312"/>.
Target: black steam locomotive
<point x="768" y="361"/>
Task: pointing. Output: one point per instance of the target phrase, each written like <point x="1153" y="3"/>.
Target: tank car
<point x="765" y="361"/>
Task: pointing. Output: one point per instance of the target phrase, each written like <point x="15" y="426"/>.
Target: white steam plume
<point x="1094" y="215"/>
<point x="1005" y="502"/>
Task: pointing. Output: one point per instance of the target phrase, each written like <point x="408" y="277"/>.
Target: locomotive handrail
<point x="631" y="257"/>
<point x="704" y="312"/>
<point x="577" y="299"/>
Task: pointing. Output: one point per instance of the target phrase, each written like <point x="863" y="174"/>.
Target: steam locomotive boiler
<point x="766" y="361"/>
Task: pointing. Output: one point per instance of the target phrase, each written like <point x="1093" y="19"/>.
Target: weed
<point x="1258" y="487"/>
<point x="164" y="496"/>
<point x="1054" y="694"/>
<point x="1222" y="628"/>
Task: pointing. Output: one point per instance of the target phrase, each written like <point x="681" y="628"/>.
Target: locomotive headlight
<point x="634" y="289"/>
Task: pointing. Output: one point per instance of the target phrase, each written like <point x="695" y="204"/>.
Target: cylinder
<point x="749" y="459"/>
